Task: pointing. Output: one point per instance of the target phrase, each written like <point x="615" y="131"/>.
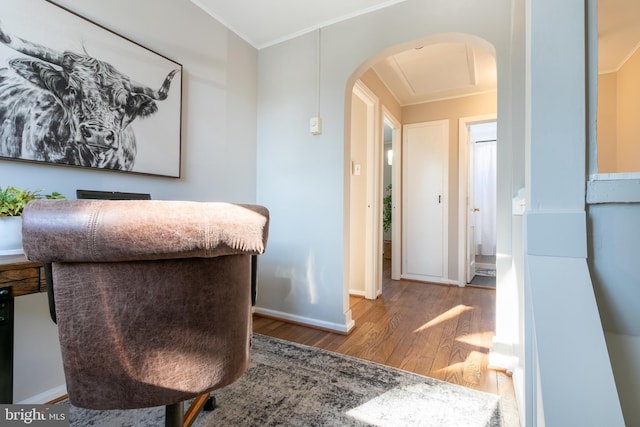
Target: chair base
<point x="176" y="417"/>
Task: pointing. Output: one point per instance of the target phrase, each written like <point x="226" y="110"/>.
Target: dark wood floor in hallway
<point x="440" y="331"/>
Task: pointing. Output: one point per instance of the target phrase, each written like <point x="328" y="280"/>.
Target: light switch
<point x="356" y="169"/>
<point x="315" y="125"/>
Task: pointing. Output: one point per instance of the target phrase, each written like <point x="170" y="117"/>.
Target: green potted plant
<point x="12" y="202"/>
<point x="386" y="221"/>
<point x="386" y="213"/>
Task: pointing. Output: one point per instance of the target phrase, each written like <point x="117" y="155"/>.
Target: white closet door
<point x="425" y="201"/>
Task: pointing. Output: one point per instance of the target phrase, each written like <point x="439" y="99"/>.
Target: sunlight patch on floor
<point x="399" y="406"/>
<point x="470" y="369"/>
<point x="477" y="340"/>
<point x="448" y="315"/>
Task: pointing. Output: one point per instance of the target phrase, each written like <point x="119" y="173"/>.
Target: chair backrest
<point x="88" y="195"/>
<point x="153" y="299"/>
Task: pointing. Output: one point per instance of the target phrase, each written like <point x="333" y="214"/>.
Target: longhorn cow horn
<point x="162" y="93"/>
<point x="31" y="49"/>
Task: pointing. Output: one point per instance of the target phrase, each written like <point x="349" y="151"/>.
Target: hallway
<point x="440" y="331"/>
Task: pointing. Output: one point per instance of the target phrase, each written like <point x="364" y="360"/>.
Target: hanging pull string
<point x="318" y="62"/>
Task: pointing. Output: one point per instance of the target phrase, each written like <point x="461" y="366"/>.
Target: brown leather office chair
<point x="152" y="298"/>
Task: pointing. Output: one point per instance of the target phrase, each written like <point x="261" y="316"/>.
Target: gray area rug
<point x="294" y="385"/>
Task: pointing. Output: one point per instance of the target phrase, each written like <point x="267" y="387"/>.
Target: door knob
<point x="476" y="209"/>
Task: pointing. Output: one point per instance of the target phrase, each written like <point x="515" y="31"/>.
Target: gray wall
<point x="218" y="142"/>
<point x="301" y="177"/>
<point x="218" y="110"/>
<point x="614" y="245"/>
<point x="245" y="138"/>
<point x="614" y="248"/>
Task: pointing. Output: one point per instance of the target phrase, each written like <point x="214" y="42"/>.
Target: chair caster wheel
<point x="210" y="404"/>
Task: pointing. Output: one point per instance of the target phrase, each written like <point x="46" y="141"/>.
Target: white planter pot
<point x="10" y="235"/>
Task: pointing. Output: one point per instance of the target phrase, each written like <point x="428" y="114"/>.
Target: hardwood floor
<point x="440" y="331"/>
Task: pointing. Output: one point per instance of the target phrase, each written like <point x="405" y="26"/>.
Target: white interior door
<point x="467" y="215"/>
<point x="366" y="196"/>
<point x="482" y="195"/>
<point x="471" y="218"/>
<point x="425" y="201"/>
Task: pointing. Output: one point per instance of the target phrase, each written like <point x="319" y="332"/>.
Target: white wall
<point x="624" y="351"/>
<point x="614" y="236"/>
<point x="562" y="314"/>
<point x="300" y="179"/>
<point x="37" y="362"/>
<point x="218" y="124"/>
<point x="614" y="246"/>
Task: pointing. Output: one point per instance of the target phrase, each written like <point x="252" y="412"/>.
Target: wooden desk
<point x="25" y="277"/>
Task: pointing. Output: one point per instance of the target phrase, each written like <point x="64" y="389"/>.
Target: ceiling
<point x="428" y="73"/>
<point x="264" y="23"/>
<point x="618" y="32"/>
<point x="438" y="71"/>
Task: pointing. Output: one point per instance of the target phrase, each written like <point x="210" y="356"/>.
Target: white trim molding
<point x="613" y="188"/>
<point x="308" y="321"/>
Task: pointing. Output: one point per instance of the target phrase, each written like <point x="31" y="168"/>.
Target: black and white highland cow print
<point x="70" y="108"/>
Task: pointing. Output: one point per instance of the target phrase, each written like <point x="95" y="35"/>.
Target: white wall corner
<point x="502" y="356"/>
<point x="349" y="322"/>
<point x="357" y="293"/>
<point x="556" y="233"/>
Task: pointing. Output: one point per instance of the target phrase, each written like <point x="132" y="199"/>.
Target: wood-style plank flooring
<point x="440" y="331"/>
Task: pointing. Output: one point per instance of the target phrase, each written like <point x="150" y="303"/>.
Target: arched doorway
<point x="402" y="83"/>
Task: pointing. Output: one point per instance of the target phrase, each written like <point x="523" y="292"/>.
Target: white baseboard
<point x="334" y="327"/>
<point x="45" y="396"/>
<point x="424" y="279"/>
<point x="501" y="356"/>
<point x="519" y="391"/>
<point x="363" y="293"/>
<point x="485" y="266"/>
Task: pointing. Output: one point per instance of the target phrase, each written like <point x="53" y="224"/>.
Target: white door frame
<point x="373" y="220"/>
<point x="396" y="200"/>
<point x="464" y="139"/>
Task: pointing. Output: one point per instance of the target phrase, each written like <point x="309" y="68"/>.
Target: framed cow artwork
<point x="74" y="93"/>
